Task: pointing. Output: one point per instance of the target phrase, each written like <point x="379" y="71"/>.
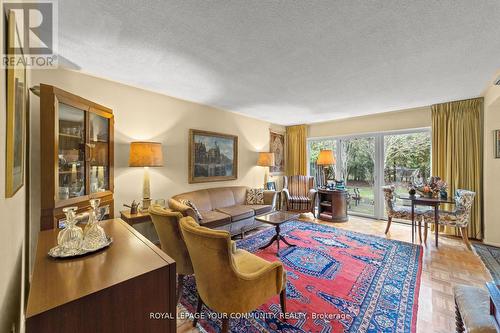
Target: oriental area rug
<point x="337" y="281"/>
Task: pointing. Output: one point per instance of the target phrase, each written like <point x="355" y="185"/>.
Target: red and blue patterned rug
<point x="337" y="281"/>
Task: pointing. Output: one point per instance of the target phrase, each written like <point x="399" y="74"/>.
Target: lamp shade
<point x="326" y="158"/>
<point x="145" y="154"/>
<point x="266" y="159"/>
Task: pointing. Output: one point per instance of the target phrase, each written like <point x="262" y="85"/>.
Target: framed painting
<point x="212" y="156"/>
<point x="497" y="144"/>
<point x="16" y="113"/>
<point x="277" y="146"/>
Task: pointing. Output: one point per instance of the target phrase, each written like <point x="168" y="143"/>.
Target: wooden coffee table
<point x="276" y="219"/>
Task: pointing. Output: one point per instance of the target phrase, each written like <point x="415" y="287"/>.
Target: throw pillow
<point x="191" y="204"/>
<point x="255" y="196"/>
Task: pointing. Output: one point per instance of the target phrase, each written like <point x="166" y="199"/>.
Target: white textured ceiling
<point x="289" y="62"/>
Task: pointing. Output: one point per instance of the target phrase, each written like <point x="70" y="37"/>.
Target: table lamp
<point x="145" y="154"/>
<point x="266" y="160"/>
<point x="325" y="158"/>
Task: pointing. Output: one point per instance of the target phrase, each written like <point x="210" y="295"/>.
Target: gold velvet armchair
<point x="230" y="280"/>
<point x="166" y="223"/>
<point x="300" y="194"/>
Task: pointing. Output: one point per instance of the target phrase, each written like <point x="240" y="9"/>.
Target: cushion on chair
<point x="299" y="199"/>
<point x="474" y="306"/>
<point x="404" y="212"/>
<point x="237" y="212"/>
<point x="260" y="209"/>
<point x="214" y="219"/>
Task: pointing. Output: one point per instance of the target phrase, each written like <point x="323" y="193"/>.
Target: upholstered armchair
<point x="299" y="193"/>
<point x="166" y="223"/>
<point x="459" y="217"/>
<point x="401" y="212"/>
<point x="230" y="280"/>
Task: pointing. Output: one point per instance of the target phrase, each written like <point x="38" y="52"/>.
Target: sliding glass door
<point x="358" y="172"/>
<point x="368" y="162"/>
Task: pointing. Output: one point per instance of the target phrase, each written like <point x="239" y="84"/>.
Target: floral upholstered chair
<point x="400" y="212"/>
<point x="459" y="217"/>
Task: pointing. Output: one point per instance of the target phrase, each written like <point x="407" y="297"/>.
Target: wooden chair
<point x="458" y="218"/>
<point x="401" y="212"/>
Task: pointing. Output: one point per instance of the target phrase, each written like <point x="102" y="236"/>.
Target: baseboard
<point x="491" y="243"/>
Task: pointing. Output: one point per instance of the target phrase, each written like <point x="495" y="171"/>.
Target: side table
<point x="132" y="219"/>
<point x="141" y="222"/>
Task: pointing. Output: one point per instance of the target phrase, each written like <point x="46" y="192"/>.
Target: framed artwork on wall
<point x="212" y="156"/>
<point x="16" y="113"/>
<point x="277" y="146"/>
<point x="497" y="144"/>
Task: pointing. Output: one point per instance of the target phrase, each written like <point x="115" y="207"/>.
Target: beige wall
<point x="491" y="177"/>
<point x="387" y="121"/>
<point x="12" y="229"/>
<point x="144" y="115"/>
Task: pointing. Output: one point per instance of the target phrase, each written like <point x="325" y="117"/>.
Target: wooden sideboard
<point x="113" y="290"/>
<point x="332" y="205"/>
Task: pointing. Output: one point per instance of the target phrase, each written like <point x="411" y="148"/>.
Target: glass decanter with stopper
<point x="94" y="236"/>
<point x="70" y="238"/>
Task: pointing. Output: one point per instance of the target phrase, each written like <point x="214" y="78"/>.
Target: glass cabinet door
<point x="71" y="152"/>
<point x="99" y="153"/>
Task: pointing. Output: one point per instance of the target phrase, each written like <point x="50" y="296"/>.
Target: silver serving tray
<point x="57" y="252"/>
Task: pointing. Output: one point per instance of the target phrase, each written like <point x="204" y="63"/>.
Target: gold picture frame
<point x="16" y="115"/>
<point x="213" y="156"/>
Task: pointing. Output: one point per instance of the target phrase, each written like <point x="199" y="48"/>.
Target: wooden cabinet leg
<point x="426" y="227"/>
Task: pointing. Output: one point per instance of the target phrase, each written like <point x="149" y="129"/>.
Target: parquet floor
<point x="444" y="267"/>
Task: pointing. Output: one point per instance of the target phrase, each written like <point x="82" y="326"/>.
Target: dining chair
<point x="401" y="212"/>
<point x="458" y="218"/>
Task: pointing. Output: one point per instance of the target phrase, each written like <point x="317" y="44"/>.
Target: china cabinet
<point x="76" y="149"/>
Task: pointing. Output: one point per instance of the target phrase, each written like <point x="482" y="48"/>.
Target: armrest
<point x="312" y="194"/>
<point x="270" y="198"/>
<point x="268" y="275"/>
<point x="183" y="209"/>
<point x="286" y="193"/>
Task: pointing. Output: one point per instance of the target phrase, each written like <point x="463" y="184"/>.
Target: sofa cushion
<point x="260" y="209"/>
<point x="255" y="196"/>
<point x="191" y="204"/>
<point x="238" y="212"/>
<point x="200" y="198"/>
<point x="474" y="305"/>
<point x="213" y="219"/>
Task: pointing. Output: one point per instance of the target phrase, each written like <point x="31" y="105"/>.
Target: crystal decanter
<point x="94" y="235"/>
<point x="70" y="238"/>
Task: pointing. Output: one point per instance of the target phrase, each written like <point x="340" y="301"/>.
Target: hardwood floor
<point x="443" y="268"/>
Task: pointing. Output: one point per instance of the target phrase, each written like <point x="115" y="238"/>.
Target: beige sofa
<point x="224" y="208"/>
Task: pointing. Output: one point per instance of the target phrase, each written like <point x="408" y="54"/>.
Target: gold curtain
<point x="296" y="153"/>
<point x="457" y="153"/>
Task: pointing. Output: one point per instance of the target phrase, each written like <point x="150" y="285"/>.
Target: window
<point x="368" y="162"/>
